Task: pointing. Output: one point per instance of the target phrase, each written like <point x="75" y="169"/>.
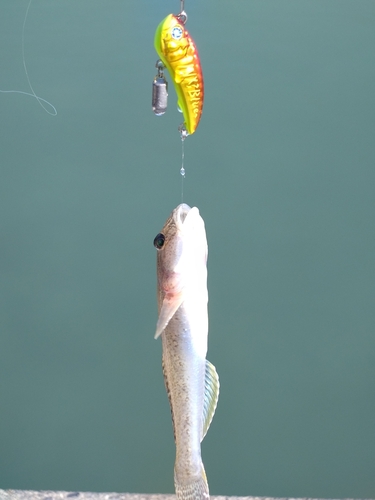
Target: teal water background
<point x="282" y="168"/>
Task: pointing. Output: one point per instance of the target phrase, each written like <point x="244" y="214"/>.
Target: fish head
<point x="181" y="261"/>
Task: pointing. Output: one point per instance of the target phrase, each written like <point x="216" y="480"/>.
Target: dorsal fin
<point x="211" y="396"/>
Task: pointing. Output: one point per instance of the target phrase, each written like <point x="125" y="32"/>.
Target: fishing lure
<point x="179" y="55"/>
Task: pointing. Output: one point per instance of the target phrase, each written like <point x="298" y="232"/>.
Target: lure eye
<point x="159" y="241"/>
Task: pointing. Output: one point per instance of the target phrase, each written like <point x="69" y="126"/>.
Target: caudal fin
<point x="196" y="490"/>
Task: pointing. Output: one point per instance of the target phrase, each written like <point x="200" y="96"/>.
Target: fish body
<point x="191" y="381"/>
<point x="179" y="54"/>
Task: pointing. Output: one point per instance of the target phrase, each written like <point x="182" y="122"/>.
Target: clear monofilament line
<point x="39" y="99"/>
<point x="32" y="93"/>
<point x="183" y="134"/>
<point x="182" y="169"/>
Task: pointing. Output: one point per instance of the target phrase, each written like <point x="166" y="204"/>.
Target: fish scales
<point x="191" y="381"/>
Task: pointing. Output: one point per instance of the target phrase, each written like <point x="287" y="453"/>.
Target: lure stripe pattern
<point x="179" y="54"/>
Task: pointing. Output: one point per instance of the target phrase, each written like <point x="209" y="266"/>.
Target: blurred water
<point x="282" y="170"/>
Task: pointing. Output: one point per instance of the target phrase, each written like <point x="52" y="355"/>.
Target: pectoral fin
<point x="168" y="308"/>
<point x="211" y="396"/>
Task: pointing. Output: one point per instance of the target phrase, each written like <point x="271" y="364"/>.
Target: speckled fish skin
<point x="191" y="381"/>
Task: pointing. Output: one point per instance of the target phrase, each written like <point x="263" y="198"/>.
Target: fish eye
<point x="159" y="241"/>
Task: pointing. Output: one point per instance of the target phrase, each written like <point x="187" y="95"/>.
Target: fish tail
<point x="197" y="489"/>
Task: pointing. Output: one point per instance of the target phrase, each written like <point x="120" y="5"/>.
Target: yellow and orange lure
<point x="179" y="55"/>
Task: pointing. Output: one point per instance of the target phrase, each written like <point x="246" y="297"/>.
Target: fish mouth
<point x="181" y="214"/>
<point x="186" y="218"/>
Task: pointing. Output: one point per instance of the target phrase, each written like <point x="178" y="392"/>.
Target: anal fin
<point x="211" y="396"/>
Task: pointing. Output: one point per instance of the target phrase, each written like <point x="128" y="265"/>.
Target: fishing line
<point x="32" y="94"/>
<point x="183" y="134"/>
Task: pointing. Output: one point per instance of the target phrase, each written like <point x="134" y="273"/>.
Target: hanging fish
<point x="179" y="55"/>
<point x="191" y="381"/>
